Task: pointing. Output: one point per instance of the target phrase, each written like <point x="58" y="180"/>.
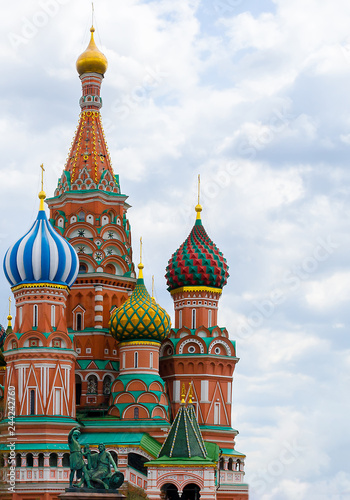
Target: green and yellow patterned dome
<point x="140" y="317"/>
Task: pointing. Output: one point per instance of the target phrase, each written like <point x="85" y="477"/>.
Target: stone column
<point x="46" y="459"/>
<point x="59" y="459"/>
<point x="98" y="307"/>
<point x="35" y="459"/>
<point x="23" y="460"/>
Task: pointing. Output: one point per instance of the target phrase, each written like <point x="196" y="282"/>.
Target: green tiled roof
<point x="37" y="447"/>
<point x="231" y="451"/>
<point x="184" y="439"/>
<point x="141" y="439"/>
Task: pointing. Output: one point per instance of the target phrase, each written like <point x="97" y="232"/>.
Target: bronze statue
<point x="76" y="460"/>
<point x="97" y="472"/>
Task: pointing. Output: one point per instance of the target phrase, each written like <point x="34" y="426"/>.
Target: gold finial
<point x="42" y="194"/>
<point x="190" y="394"/>
<point x="198" y="206"/>
<point x="93" y="13"/>
<point x="153" y="287"/>
<point x="9" y="317"/>
<point x="183" y="394"/>
<point x="140" y="266"/>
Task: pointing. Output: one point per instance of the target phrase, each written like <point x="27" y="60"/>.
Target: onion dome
<point x="140" y="317"/>
<point x="41" y="255"/>
<point x="92" y="60"/>
<point x="198" y="261"/>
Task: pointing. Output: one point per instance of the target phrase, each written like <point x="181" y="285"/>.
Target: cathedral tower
<point x="200" y="353"/>
<point x="40" y="358"/>
<point x="140" y="325"/>
<point x="89" y="210"/>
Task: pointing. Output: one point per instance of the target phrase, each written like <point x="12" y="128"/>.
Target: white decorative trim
<point x="189" y="341"/>
<point x="221" y="342"/>
<point x="164" y="347"/>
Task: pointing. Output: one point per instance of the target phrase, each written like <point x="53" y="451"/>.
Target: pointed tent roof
<point x="184" y="439"/>
<point x="184" y="443"/>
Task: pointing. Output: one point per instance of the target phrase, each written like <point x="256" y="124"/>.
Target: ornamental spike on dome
<point x="41" y="256"/>
<point x="92" y="60"/>
<point x="197" y="262"/>
<point x="140" y="317"/>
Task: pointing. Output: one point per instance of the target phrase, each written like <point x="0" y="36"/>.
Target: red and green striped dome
<point x="198" y="261"/>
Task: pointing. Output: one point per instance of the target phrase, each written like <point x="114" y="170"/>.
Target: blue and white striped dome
<point x="41" y="256"/>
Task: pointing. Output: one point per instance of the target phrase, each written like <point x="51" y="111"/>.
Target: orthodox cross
<point x="42" y="176"/>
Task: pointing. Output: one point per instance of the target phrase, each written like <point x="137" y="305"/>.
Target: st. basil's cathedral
<point x="91" y="348"/>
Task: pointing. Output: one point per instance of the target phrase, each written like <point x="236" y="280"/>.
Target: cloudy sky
<point x="254" y="96"/>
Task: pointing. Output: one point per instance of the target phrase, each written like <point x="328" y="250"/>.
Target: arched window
<point x="151" y="360"/>
<point x="180" y="319"/>
<point x="136" y="360"/>
<point x="83" y="268"/>
<point x="65" y="460"/>
<point x="193" y="318"/>
<point x="2" y="461"/>
<point x="114" y="456"/>
<point x="107" y="385"/>
<point x="32" y="402"/>
<point x="77" y="389"/>
<point x="221" y="464"/>
<point x="53" y="316"/>
<point x="209" y="318"/>
<point x="230" y="464"/>
<point x="35" y="315"/>
<point x="29" y="459"/>
<point x="238" y="464"/>
<point x="92" y="384"/>
<point x="53" y="460"/>
<point x="124" y="359"/>
<point x="18" y="460"/>
<point x="136" y="413"/>
<point x="41" y="460"/>
<point x="79" y="321"/>
<point x="81" y="216"/>
<point x="20" y="316"/>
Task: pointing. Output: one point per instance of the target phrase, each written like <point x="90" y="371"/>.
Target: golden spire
<point x="92" y="60"/>
<point x="183" y="394"/>
<point x="198" y="208"/>
<point x="190" y="394"/>
<point x="42" y="194"/>
<point x="9" y="317"/>
<point x="140" y="266"/>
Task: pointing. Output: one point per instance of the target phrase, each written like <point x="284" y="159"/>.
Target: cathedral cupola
<point x="92" y="60"/>
<point x="41" y="256"/>
<point x="197" y="262"/>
